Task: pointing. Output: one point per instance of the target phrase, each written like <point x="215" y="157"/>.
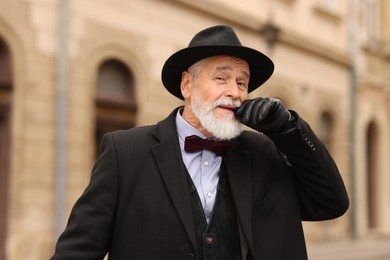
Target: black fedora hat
<point x="213" y="41"/>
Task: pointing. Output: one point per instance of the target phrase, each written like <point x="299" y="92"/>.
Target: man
<point x="159" y="192"/>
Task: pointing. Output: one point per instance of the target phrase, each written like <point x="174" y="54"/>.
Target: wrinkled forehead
<point x="227" y="63"/>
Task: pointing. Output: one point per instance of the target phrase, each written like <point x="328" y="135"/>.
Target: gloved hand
<point x="266" y="115"/>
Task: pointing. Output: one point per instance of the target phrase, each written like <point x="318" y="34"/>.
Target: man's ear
<point x="185" y="85"/>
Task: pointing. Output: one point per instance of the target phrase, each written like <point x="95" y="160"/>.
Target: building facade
<point x="72" y="70"/>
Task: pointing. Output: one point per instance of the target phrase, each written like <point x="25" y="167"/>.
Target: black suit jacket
<point x="137" y="204"/>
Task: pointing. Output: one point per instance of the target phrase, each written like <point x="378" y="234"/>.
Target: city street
<point x="350" y="250"/>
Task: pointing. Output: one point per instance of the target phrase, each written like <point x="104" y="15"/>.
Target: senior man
<point x="195" y="185"/>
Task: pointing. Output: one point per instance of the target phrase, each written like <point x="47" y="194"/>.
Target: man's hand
<point x="266" y="115"/>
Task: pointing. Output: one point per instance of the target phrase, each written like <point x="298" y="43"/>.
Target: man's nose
<point x="233" y="90"/>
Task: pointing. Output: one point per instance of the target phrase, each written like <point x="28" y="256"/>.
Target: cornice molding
<point x="223" y="12"/>
<point x="315" y="47"/>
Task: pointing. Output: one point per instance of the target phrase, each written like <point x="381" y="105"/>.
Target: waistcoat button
<point x="209" y="239"/>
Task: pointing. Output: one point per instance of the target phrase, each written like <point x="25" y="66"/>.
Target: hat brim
<point x="261" y="67"/>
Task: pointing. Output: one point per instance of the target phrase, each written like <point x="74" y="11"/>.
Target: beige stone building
<point x="72" y="70"/>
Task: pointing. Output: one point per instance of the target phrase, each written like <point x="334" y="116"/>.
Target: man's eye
<point x="242" y="84"/>
<point x="220" y="78"/>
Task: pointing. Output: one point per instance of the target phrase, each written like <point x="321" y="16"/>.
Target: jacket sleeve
<point x="89" y="228"/>
<point x="321" y="191"/>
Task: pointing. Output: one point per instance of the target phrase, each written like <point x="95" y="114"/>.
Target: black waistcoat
<point x="219" y="239"/>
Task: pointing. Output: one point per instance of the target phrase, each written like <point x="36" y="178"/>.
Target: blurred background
<point x="72" y="70"/>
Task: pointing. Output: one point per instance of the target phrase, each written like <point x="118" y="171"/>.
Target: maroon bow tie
<point x="195" y="143"/>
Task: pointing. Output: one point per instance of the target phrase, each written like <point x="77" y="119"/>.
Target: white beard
<point x="225" y="128"/>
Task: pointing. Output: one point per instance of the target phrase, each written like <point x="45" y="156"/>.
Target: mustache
<point x="227" y="102"/>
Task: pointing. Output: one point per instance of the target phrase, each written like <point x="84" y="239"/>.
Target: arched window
<point x="115" y="99"/>
<point x="5" y="106"/>
<point x="372" y="174"/>
<point x="326" y="130"/>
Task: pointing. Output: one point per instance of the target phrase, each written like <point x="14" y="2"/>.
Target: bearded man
<point x="195" y="185"/>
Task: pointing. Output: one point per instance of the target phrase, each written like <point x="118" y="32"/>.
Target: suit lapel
<point x="239" y="173"/>
<point x="173" y="172"/>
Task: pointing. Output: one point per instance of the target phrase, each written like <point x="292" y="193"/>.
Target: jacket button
<point x="190" y="257"/>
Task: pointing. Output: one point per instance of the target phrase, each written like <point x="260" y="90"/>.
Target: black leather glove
<point x="266" y="115"/>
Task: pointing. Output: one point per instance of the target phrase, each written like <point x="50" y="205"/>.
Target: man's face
<point x="220" y="87"/>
